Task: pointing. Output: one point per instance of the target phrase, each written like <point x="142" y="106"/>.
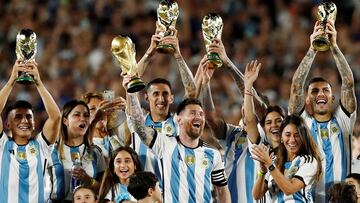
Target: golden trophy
<point x="124" y="51"/>
<point x="167" y="14"/>
<point x="212" y="26"/>
<point x="25" y="51"/>
<point x="326" y="12"/>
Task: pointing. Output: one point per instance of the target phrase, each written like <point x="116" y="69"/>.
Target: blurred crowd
<point x="74" y="39"/>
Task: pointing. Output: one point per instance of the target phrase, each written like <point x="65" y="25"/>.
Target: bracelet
<point x="261" y="173"/>
<point x="247" y="92"/>
<point x="271" y="167"/>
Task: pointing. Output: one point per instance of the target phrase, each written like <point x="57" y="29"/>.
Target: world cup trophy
<point x="167" y="14"/>
<point x="212" y="26"/>
<point x="124" y="51"/>
<point x="326" y="12"/>
<point x="25" y="51"/>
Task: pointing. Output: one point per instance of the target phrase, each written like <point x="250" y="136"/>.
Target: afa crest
<point x="190" y="160"/>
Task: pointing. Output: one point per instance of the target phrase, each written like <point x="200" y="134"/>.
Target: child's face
<point x="84" y="195"/>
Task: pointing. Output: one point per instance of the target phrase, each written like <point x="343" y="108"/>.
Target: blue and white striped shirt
<point x="189" y="173"/>
<point x="22" y="168"/>
<point x="93" y="164"/>
<point x="302" y="167"/>
<point x="334" y="141"/>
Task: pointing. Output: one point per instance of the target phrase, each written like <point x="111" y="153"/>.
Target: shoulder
<point x="307" y="159"/>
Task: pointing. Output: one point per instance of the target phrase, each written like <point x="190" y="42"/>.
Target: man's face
<point x="192" y="121"/>
<point x="160" y="98"/>
<point x="21" y="123"/>
<point x="320" y="98"/>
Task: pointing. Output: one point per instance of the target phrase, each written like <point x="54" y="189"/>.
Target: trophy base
<point x="135" y="85"/>
<point x="321" y="43"/>
<point x="215" y="60"/>
<point x="25" y="79"/>
<point x="165" y="48"/>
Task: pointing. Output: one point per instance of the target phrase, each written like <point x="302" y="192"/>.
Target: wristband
<point x="261" y="173"/>
<point x="271" y="167"/>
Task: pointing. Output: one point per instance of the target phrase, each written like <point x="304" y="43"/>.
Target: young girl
<point x="298" y="165"/>
<point x="84" y="194"/>
<point x="123" y="163"/>
<point x="73" y="149"/>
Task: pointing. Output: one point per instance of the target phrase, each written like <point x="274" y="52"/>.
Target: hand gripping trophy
<point x="326" y="12"/>
<point x="212" y="26"/>
<point x="167" y="14"/>
<point x="25" y="51"/>
<point x="124" y="51"/>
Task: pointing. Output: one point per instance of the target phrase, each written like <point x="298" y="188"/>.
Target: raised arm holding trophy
<point x="212" y="26"/>
<point x="167" y="14"/>
<point x="124" y="51"/>
<point x="25" y="51"/>
<point x="326" y="12"/>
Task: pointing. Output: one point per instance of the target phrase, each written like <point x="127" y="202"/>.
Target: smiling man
<point x="22" y="155"/>
<point x="190" y="168"/>
<point x="331" y="130"/>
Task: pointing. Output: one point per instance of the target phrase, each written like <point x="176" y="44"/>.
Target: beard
<point x="194" y="134"/>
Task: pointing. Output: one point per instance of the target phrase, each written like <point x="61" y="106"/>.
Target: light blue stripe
<point x="175" y="175"/>
<point x="59" y="175"/>
<point x="39" y="170"/>
<point x="232" y="180"/>
<point x="143" y="152"/>
<point x="343" y="151"/>
<point x="5" y="169"/>
<point x="249" y="176"/>
<point x="107" y="145"/>
<point x="207" y="184"/>
<point x="329" y="159"/>
<point x="190" y="175"/>
<point x="23" y="195"/>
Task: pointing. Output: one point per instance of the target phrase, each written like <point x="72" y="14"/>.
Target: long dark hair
<point x="308" y="146"/>
<point x="63" y="136"/>
<point x="110" y="179"/>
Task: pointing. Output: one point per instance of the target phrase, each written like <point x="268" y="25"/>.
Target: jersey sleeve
<point x="218" y="176"/>
<point x="100" y="162"/>
<point x="45" y="147"/>
<point x="307" y="169"/>
<point x="161" y="142"/>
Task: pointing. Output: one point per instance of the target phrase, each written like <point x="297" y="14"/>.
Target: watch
<point x="271" y="167"/>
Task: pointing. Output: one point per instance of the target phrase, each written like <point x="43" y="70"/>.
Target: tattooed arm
<point x="185" y="73"/>
<point x="136" y="120"/>
<point x="297" y="101"/>
<point x="348" y="98"/>
<point x="218" y="47"/>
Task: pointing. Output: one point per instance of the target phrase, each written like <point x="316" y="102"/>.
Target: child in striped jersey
<point x="298" y="166"/>
<point x="123" y="163"/>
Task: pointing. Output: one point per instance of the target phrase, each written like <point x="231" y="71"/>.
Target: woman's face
<point x="77" y="121"/>
<point x="291" y="140"/>
<point x="272" y="127"/>
<point x="124" y="166"/>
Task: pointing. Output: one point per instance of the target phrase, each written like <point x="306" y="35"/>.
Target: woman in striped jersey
<point x="297" y="169"/>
